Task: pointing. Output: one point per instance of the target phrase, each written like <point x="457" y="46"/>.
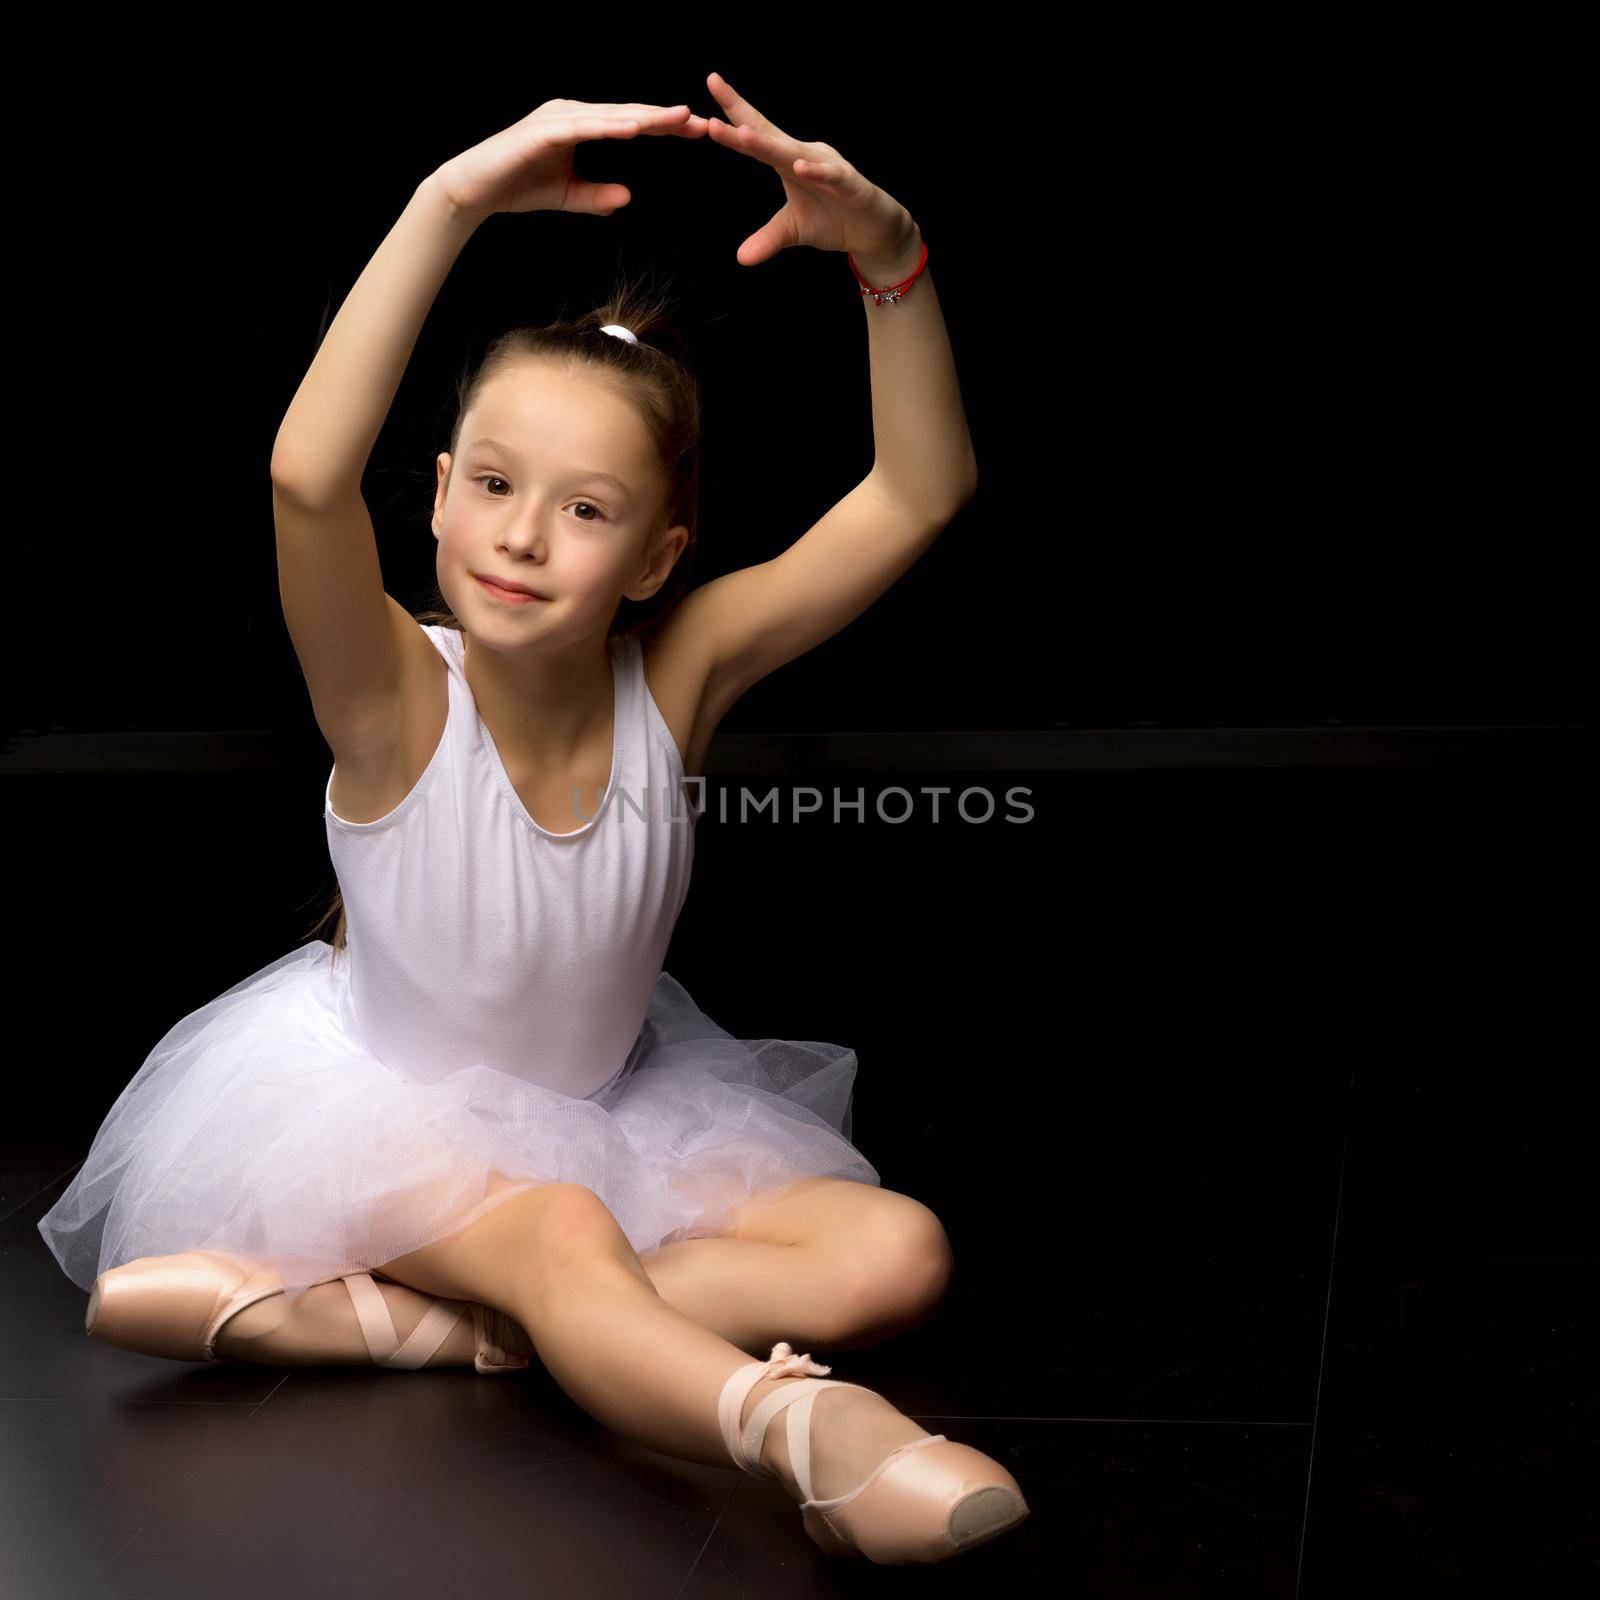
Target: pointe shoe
<point x="175" y="1306"/>
<point x="927" y="1500"/>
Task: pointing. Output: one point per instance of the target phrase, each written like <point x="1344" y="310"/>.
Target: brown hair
<point x="657" y="377"/>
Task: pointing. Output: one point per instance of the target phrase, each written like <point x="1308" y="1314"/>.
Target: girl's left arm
<point x="924" y="469"/>
<point x="922" y="450"/>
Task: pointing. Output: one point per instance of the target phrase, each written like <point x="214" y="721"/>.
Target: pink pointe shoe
<point x="175" y="1306"/>
<point x="928" y="1499"/>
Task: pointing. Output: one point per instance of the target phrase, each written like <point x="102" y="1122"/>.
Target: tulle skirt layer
<point x="262" y="1126"/>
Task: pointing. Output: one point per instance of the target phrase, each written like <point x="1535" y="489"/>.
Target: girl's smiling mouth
<point x="515" y="597"/>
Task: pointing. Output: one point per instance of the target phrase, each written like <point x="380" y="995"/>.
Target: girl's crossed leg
<point x="554" y="1259"/>
<point x="824" y="1262"/>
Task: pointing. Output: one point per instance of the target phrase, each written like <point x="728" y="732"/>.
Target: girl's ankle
<point x="775" y="1443"/>
<point x="852" y="1430"/>
<point x="321" y="1329"/>
<point x="330" y="1332"/>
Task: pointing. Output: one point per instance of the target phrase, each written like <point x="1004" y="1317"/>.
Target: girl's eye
<point x="490" y="477"/>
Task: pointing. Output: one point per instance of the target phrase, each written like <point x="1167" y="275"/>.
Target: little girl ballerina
<point x="485" y="1095"/>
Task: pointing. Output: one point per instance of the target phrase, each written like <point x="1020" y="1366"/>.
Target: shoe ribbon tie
<point x="784" y="1363"/>
<point x="744" y="1443"/>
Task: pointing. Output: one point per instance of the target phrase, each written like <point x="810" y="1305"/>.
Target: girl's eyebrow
<point x="578" y="472"/>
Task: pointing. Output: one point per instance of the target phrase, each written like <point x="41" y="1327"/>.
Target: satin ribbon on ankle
<point x="782" y="1363"/>
<point x="377" y="1325"/>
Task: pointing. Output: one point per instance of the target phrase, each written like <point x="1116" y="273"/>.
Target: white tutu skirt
<point x="263" y="1127"/>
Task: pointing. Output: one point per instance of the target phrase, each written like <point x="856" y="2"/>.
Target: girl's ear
<point x="441" y="483"/>
<point x="667" y="550"/>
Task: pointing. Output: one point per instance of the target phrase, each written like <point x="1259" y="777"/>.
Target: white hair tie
<point x="616" y="329"/>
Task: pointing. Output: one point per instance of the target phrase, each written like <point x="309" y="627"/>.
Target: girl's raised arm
<point x="348" y="634"/>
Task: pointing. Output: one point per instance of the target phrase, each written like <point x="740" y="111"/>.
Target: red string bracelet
<point x="894" y="291"/>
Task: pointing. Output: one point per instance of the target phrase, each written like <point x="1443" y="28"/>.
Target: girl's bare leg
<point x="750" y="1292"/>
<point x="554" y="1259"/>
<point x="827" y="1275"/>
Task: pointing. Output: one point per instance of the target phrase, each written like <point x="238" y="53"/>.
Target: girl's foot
<point x="321" y="1329"/>
<point x="852" y="1430"/>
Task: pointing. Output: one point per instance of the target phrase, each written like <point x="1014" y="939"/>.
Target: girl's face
<point x="554" y="487"/>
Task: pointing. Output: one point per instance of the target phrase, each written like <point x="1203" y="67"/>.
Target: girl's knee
<point x="910" y="1244"/>
<point x="556" y="1216"/>
<point x="904" y="1267"/>
<point x="868" y="1311"/>
<point x="569" y="1228"/>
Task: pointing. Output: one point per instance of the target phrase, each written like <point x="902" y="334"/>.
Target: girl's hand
<point x="828" y="205"/>
<point x="528" y="166"/>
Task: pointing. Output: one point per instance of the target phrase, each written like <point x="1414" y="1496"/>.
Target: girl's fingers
<point x="731" y="100"/>
<point x="671" y="119"/>
<point x="751" y="140"/>
<point x="727" y="94"/>
<point x="763" y="147"/>
<point x="638" y="109"/>
<point x="604" y="125"/>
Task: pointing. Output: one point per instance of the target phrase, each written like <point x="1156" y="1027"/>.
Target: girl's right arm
<point x="346" y="630"/>
<point x="352" y="640"/>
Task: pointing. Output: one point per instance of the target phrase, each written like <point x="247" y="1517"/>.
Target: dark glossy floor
<point x="1401" y="1418"/>
<point x="1275" y="1242"/>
